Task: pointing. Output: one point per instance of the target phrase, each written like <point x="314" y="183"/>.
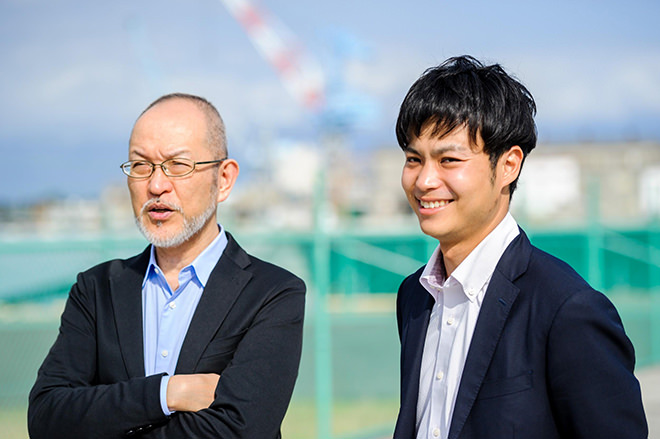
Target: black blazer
<point x="549" y="357"/>
<point x="247" y="327"/>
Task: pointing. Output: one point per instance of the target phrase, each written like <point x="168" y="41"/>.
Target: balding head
<point x="215" y="127"/>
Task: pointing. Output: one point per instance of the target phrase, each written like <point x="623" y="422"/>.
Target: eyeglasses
<point x="177" y="167"/>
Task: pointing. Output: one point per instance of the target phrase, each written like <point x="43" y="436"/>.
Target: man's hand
<point x="191" y="393"/>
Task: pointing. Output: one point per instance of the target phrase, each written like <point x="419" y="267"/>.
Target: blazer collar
<point x="500" y="297"/>
<point x="412" y="343"/>
<point x="225" y="283"/>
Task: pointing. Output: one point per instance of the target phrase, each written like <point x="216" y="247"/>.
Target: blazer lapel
<point x="126" y="297"/>
<point x="499" y="298"/>
<point x="226" y="282"/>
<point x="412" y="344"/>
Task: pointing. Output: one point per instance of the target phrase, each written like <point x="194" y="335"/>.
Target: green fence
<point x="348" y="383"/>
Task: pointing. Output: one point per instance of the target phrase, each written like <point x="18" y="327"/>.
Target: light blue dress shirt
<point x="166" y="315"/>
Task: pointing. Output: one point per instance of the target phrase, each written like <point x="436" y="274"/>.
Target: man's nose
<point x="159" y="183"/>
<point x="429" y="177"/>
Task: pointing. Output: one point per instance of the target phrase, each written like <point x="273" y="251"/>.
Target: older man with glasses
<point x="193" y="338"/>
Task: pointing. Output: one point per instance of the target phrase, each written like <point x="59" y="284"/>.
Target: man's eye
<point x="176" y="167"/>
<point x="139" y="166"/>
<point x="412" y="160"/>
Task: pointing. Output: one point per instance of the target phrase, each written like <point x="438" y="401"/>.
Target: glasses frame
<point x="126" y="166"/>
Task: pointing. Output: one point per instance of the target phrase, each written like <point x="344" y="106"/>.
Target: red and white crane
<point x="299" y="73"/>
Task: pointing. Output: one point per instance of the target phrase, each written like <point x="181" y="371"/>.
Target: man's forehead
<point x="168" y="128"/>
<point x="164" y="152"/>
<point x="456" y="139"/>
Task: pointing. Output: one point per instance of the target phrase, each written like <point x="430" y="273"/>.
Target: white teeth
<point x="433" y="204"/>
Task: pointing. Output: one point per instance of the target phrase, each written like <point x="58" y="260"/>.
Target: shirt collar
<point x="477" y="268"/>
<point x="434" y="274"/>
<point x="203" y="264"/>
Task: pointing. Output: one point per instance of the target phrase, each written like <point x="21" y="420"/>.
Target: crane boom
<point x="299" y="73"/>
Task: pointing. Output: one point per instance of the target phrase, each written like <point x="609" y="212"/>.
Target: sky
<point x="75" y="75"/>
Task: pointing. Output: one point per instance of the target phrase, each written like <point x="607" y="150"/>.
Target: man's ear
<point x="510" y="164"/>
<point x="227" y="175"/>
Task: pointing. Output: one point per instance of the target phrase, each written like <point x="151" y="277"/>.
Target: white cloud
<point x="605" y="87"/>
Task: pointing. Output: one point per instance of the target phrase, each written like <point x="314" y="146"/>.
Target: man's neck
<point x="453" y="253"/>
<point x="172" y="260"/>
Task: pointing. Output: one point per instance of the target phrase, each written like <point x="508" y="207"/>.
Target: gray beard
<point x="191" y="226"/>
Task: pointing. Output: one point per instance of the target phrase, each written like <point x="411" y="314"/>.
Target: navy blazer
<point x="548" y="359"/>
<point x="247" y="327"/>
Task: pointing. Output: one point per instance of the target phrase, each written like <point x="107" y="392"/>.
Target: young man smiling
<point x="498" y="339"/>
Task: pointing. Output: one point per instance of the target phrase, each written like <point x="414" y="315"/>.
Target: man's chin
<point x="432" y="230"/>
<point x="174" y="231"/>
<point x="161" y="240"/>
<point x="157" y="233"/>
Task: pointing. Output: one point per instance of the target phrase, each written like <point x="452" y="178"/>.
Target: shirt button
<point x="471" y="292"/>
<point x="172" y="305"/>
<point x="450" y="321"/>
<point x="440" y="375"/>
<point x="436" y="432"/>
<point x="164" y="353"/>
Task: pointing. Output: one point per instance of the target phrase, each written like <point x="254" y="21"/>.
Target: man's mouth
<point x="433" y="204"/>
<point x="159" y="210"/>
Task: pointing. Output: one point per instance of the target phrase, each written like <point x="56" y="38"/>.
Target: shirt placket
<point x="448" y="325"/>
<point x="436" y="389"/>
<point x="168" y="318"/>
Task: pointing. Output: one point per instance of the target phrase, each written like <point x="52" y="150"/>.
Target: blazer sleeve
<point x="254" y="391"/>
<point x="68" y="401"/>
<point x="590" y="376"/>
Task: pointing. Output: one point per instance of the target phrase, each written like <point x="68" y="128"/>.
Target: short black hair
<point x="462" y="91"/>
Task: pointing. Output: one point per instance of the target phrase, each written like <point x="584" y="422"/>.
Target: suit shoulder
<point x="552" y="270"/>
<point x="111" y="267"/>
<point x="261" y="269"/>
<point x="553" y="282"/>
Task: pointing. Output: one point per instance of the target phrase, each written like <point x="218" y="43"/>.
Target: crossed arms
<point x="241" y="389"/>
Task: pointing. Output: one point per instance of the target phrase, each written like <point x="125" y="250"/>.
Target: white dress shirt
<point x="453" y="319"/>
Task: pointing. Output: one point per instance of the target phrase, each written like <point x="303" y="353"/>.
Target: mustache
<point x="160" y="203"/>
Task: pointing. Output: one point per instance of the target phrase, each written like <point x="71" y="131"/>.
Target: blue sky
<point x="76" y="74"/>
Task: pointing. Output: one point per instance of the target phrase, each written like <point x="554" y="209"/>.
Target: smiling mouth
<point x="434" y="204"/>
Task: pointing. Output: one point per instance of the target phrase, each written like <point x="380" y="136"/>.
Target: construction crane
<point x="299" y="73"/>
<point x="326" y="94"/>
<point x="304" y="79"/>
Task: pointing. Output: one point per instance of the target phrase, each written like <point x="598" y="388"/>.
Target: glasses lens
<point x="178" y="167"/>
<point x="137" y="168"/>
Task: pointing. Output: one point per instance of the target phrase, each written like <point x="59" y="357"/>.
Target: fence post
<point x="595" y="236"/>
<point x="322" y="338"/>
<point x="654" y="288"/>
